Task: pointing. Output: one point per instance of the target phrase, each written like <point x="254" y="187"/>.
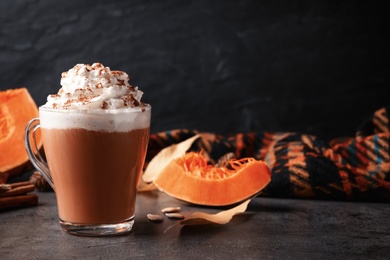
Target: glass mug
<point x="94" y="164"/>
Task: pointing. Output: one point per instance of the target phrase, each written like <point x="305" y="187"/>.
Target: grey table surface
<point x="270" y="228"/>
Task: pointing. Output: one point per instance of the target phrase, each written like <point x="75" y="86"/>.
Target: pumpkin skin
<point x="179" y="181"/>
<point x="16" y="108"/>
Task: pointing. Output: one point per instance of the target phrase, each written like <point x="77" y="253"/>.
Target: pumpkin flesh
<point x="191" y="179"/>
<point x="16" y="108"/>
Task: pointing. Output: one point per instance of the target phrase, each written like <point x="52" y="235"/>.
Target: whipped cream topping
<point x="86" y="87"/>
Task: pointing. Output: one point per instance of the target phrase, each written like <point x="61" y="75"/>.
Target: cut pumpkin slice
<point x="16" y="108"/>
<point x="190" y="178"/>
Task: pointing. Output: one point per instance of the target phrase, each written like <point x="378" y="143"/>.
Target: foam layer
<point x="114" y="120"/>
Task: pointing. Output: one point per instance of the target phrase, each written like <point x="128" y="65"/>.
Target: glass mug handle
<point x="30" y="142"/>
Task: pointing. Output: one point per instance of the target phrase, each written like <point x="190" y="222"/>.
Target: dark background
<point x="318" y="67"/>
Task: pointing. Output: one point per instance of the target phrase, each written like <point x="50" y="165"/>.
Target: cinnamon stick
<point x="5" y="187"/>
<point x="19" y="190"/>
<point x="18" y="184"/>
<point x="15" y="195"/>
<point x="18" y="201"/>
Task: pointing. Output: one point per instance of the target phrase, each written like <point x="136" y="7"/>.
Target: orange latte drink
<point x="95" y="134"/>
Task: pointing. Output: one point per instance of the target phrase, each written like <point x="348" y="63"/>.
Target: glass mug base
<point x="98" y="230"/>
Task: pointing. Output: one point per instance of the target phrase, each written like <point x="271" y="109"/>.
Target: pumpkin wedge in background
<point x="190" y="178"/>
<point x="16" y="108"/>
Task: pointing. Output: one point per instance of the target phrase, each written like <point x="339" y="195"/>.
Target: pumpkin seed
<point x="174" y="215"/>
<point x="155" y="218"/>
<point x="170" y="209"/>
